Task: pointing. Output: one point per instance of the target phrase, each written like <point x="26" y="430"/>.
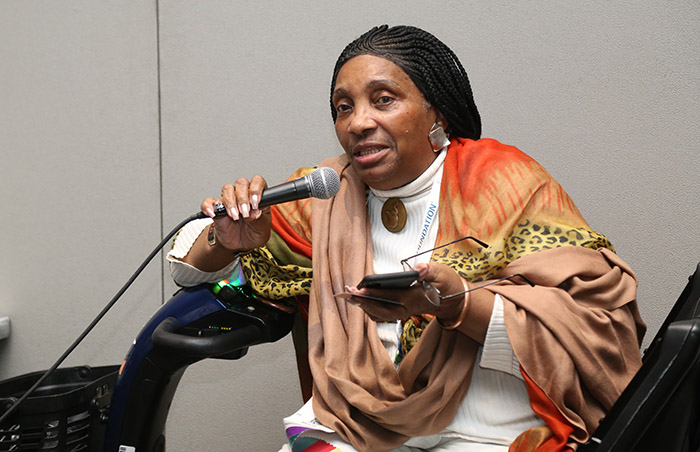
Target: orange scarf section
<point x="292" y="220"/>
<point x="292" y="238"/>
<point x="552" y="438"/>
<point x="503" y="185"/>
<point x="503" y="197"/>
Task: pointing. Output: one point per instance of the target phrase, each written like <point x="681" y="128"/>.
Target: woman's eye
<point x="384" y="100"/>
<point x="342" y="108"/>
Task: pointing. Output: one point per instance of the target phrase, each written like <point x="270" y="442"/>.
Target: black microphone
<point x="322" y="183"/>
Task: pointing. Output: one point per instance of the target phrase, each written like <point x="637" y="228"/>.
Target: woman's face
<point x="383" y="122"/>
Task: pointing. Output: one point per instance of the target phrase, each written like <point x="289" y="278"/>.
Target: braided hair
<point x="430" y="65"/>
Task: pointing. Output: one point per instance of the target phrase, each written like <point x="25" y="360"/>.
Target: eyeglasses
<point x="433" y="294"/>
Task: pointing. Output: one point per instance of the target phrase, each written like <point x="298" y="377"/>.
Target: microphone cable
<point x="99" y="317"/>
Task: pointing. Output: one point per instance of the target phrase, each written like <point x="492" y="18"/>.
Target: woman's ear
<point x="437" y="135"/>
<point x="441" y="120"/>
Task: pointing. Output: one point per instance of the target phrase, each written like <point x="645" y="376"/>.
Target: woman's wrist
<point x="457" y="315"/>
<point x="214" y="243"/>
<point x="209" y="255"/>
<point x="471" y="315"/>
<point x="454" y="311"/>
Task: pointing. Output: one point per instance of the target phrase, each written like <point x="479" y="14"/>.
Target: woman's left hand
<point x="413" y="300"/>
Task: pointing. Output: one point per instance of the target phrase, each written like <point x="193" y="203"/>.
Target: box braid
<point x="432" y="67"/>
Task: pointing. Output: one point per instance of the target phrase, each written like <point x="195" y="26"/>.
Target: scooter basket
<point x="66" y="413"/>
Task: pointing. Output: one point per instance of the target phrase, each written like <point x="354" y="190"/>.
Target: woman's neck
<point x="418" y="185"/>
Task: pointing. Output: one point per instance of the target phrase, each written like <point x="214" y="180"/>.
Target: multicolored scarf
<point x="501" y="196"/>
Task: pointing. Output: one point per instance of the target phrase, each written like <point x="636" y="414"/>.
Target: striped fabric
<point x="307" y="444"/>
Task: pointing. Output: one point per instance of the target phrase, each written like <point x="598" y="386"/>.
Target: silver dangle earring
<point x="438" y="138"/>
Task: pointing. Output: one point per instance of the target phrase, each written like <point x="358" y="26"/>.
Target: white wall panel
<point x="79" y="177"/>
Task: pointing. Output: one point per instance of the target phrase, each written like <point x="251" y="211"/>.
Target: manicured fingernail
<point x="233" y="213"/>
<point x="245" y="211"/>
<point x="254" y="202"/>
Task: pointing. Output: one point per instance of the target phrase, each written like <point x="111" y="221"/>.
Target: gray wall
<point x="118" y="118"/>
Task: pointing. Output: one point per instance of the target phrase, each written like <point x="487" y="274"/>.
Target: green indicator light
<point x="218" y="286"/>
<point x="235" y="280"/>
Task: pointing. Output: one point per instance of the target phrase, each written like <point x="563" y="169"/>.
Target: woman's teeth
<point x="368" y="152"/>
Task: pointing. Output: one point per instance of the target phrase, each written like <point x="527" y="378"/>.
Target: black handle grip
<point x="165" y="335"/>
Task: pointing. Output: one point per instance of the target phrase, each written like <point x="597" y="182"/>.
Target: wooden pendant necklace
<point x="394" y="215"/>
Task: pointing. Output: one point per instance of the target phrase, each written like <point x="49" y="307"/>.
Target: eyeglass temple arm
<point x="483" y="244"/>
<point x="488" y="284"/>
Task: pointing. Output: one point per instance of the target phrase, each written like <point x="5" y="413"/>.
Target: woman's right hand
<point x="245" y="226"/>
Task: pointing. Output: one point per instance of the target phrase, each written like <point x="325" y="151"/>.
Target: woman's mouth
<point x="368" y="153"/>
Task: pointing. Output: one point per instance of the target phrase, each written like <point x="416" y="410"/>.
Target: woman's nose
<point x="362" y="120"/>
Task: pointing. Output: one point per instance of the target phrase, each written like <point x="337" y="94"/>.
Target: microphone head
<point x="324" y="183"/>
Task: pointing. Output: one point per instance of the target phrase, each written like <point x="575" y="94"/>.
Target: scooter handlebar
<point x="165" y="335"/>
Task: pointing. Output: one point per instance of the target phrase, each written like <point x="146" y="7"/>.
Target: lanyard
<point x="428" y="231"/>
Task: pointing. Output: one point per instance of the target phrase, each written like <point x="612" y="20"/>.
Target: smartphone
<point x="398" y="280"/>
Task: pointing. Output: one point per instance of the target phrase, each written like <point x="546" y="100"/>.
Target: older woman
<point x="471" y="357"/>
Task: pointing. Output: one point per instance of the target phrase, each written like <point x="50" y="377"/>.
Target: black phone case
<point x="398" y="280"/>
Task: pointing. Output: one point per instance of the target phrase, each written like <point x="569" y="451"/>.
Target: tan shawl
<point x="576" y="334"/>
